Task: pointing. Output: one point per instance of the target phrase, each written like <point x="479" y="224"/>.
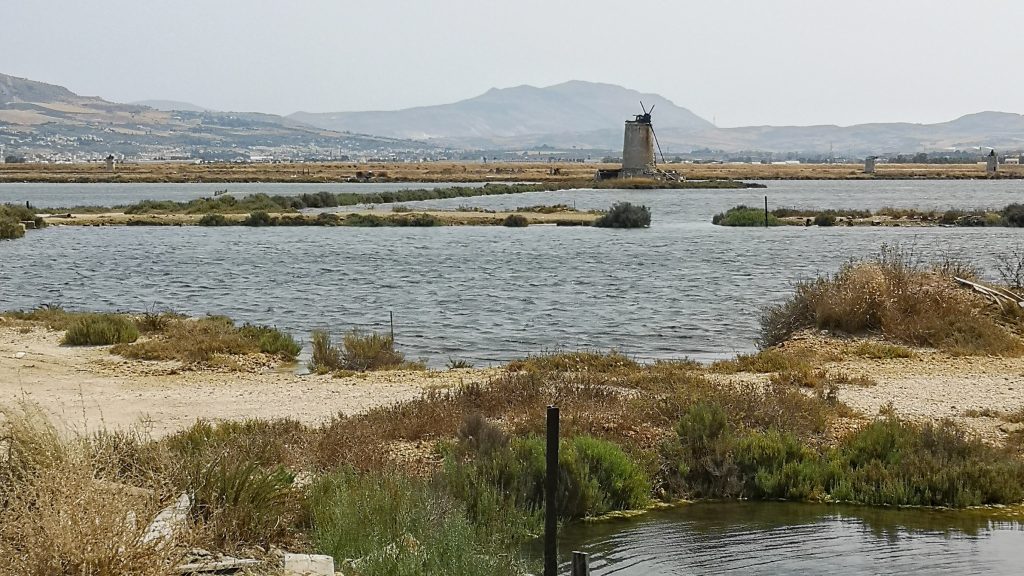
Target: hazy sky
<point x="741" y="63"/>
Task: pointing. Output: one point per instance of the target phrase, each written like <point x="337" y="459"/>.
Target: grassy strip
<point x="1011" y="216"/>
<point x="888" y="462"/>
<point x="228" y="204"/>
<point x="744" y="216"/>
<point x="169" y="336"/>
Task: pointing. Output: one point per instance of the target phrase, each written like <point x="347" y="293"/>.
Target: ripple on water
<point x="681" y="288"/>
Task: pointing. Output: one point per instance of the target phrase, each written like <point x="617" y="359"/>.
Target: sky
<point x="778" y="62"/>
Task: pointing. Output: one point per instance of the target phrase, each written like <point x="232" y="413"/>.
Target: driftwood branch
<point x="997" y="295"/>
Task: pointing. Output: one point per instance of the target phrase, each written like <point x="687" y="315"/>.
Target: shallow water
<point x="70" y="195"/>
<point x="681" y="288"/>
<point x="786" y="538"/>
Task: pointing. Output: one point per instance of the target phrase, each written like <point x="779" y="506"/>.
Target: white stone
<point x="19" y="355"/>
<point x="168" y="520"/>
<point x="308" y="565"/>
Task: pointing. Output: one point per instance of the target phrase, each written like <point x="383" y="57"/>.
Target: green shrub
<point x="418" y="219"/>
<point x="238" y="502"/>
<point x="824" y="220"/>
<point x="1014" y="215"/>
<point x="625" y="215"/>
<point x="326" y="357"/>
<point x="369" y="351"/>
<point x="401" y="526"/>
<point x="215" y="220"/>
<point x="100" y="330"/>
<point x="272" y="341"/>
<point x="595" y="476"/>
<point x="744" y="216"/>
<point x="515" y="221"/>
<point x="10" y="228"/>
<point x="259" y="218"/>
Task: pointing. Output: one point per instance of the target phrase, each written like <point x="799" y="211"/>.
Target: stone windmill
<point x="638" y="144"/>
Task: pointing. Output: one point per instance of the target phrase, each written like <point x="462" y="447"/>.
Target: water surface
<point x="788" y="538"/>
<point x="487" y="294"/>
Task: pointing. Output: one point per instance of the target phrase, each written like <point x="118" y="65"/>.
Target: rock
<point x="308" y="565"/>
<point x="168" y="520"/>
<point x="1011" y="427"/>
<point x="19" y="355"/>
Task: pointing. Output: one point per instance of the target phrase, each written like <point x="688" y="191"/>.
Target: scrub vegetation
<point x="895" y="296"/>
<point x="451" y="482"/>
<point x="1011" y="216"/>
<point x="625" y="215"/>
<point x="11" y="218"/>
<point x="164" y="335"/>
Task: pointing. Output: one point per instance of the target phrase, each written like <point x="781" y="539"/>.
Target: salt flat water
<point x="70" y="194"/>
<point x="789" y="538"/>
<point x="681" y="288"/>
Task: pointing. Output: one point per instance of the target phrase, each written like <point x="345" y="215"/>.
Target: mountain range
<point x="48" y="120"/>
<point x="585" y="115"/>
<point x="590" y="115"/>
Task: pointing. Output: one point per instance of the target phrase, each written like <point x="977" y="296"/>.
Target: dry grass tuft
<point x="57" y="518"/>
<point x="202" y="340"/>
<point x="895" y="296"/>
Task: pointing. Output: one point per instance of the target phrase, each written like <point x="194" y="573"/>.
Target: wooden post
<point x="765" y="211"/>
<point x="580" y="564"/>
<point x="551" y="497"/>
<point x="392" y="327"/>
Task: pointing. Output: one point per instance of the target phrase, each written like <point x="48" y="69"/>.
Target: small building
<point x="869" y="164"/>
<point x="991" y="162"/>
<point x="110" y="163"/>
<point x="1011" y="160"/>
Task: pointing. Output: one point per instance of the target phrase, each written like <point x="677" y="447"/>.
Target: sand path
<point x="86" y="388"/>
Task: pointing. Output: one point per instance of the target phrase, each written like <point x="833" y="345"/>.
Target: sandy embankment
<point x="85" y="388"/>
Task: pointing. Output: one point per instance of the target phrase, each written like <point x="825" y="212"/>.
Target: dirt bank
<point x="86" y="388"/>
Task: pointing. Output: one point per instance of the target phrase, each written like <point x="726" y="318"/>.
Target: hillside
<point x="590" y="115"/>
<point x="46" y="120"/>
<point x="514" y="114"/>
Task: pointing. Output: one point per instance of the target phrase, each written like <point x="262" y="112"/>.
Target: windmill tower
<point x="638" y="144"/>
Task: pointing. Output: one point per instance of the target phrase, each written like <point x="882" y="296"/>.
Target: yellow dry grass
<point x="466" y="172"/>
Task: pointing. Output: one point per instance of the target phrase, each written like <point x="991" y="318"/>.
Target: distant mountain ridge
<point x="499" y="113"/>
<point x="590" y="115"/>
<point x="41" y="118"/>
<point x="171" y="105"/>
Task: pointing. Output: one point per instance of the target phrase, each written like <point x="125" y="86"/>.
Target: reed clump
<point x="201" y="340"/>
<point x="893" y="295"/>
<point x="360" y="352"/>
<point x="100" y="330"/>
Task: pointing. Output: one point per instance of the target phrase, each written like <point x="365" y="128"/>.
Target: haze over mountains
<point x="39" y="119"/>
<point x="590" y="115"/>
<point x="585" y="115"/>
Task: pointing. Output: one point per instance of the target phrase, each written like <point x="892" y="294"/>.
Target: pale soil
<point x="86" y="388"/>
<point x="931" y="386"/>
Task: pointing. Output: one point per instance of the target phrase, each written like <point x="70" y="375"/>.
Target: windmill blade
<point x="656" y="142"/>
<point x="642" y="107"/>
<point x="651" y="111"/>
